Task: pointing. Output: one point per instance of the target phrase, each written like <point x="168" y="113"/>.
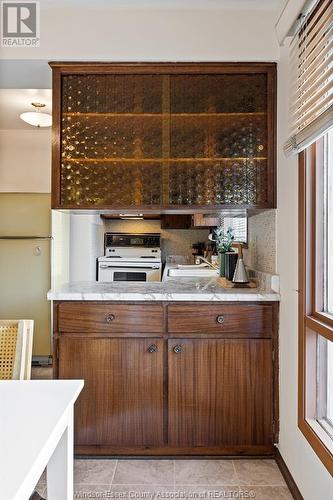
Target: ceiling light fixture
<point x="37" y="118"/>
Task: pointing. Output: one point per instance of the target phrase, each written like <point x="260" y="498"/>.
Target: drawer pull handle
<point x="152" y="348"/>
<point x="177" y="349"/>
<point x="220" y="319"/>
<point x="110" y="317"/>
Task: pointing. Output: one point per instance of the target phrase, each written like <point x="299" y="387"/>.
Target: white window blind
<point x="238" y="223"/>
<point x="311" y="106"/>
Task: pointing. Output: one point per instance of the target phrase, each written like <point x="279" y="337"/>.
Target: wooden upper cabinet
<point x="162" y="137"/>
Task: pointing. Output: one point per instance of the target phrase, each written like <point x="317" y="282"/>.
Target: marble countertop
<point x="177" y="289"/>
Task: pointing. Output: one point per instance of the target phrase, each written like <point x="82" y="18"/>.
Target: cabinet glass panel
<point x="111" y="140"/>
<point x="163" y="140"/>
<point x="218" y="133"/>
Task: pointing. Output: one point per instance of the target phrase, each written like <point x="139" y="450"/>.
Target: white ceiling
<point x="13" y="102"/>
<point x="202" y="4"/>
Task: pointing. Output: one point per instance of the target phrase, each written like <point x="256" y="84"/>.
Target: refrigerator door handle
<point x="26" y="237"/>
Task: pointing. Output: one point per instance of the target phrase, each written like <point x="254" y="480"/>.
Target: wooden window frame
<point x="312" y="321"/>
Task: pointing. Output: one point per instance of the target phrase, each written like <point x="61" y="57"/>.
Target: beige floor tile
<point x="268" y="492"/>
<point x="91" y="491"/>
<point x="94" y="471"/>
<point x="258" y="472"/>
<point x="41" y="485"/>
<point x="87" y="491"/>
<point x="41" y="489"/>
<point x="204" y="472"/>
<point x="144" y="472"/>
<point x="209" y="492"/>
<point x="192" y="479"/>
<point x="42" y="479"/>
<point x="41" y="372"/>
<point x="142" y="491"/>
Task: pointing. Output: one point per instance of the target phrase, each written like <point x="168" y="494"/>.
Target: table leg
<point x="60" y="466"/>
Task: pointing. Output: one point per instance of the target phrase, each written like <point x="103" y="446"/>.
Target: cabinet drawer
<point x="103" y="318"/>
<point x="244" y="320"/>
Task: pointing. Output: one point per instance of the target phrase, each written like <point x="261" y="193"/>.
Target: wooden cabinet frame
<point x="164" y="336"/>
<point x="75" y="68"/>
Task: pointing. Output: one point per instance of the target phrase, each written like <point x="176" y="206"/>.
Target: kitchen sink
<point x="191" y="271"/>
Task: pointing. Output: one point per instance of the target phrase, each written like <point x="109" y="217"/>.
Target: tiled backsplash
<point x="174" y="241"/>
<point x="261" y="252"/>
<point x="260" y="255"/>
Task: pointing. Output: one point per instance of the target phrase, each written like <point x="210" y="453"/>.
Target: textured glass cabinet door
<point x="111" y="143"/>
<point x="165" y="140"/>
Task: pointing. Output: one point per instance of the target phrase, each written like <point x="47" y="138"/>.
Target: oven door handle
<point x="105" y="266"/>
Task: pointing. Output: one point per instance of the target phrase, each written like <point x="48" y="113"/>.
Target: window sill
<point x="319" y="440"/>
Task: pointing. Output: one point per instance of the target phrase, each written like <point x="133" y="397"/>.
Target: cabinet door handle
<point x="177" y="349"/>
<point x="220" y="319"/>
<point x="152" y="348"/>
<point x="109" y="318"/>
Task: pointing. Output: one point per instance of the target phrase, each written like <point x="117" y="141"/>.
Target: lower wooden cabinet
<point x="204" y="393"/>
<point x="122" y="400"/>
<point x="220" y="392"/>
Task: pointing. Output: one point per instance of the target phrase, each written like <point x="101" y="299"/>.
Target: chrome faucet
<point x="199" y="259"/>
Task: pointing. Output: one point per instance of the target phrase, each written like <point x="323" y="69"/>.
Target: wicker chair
<point x="16" y="349"/>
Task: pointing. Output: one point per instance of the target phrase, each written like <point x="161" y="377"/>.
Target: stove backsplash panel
<point x="173" y="241"/>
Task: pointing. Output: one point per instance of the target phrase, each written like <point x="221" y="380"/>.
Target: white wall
<point x="312" y="478"/>
<point x="25" y="161"/>
<point x="86" y="244"/>
<point x="60" y="247"/>
<point x="196" y="33"/>
<point x="77" y="242"/>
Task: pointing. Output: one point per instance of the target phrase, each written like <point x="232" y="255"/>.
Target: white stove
<point x="130" y="257"/>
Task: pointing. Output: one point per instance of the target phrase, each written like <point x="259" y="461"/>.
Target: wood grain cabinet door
<point x="220" y="392"/>
<point x="122" y="400"/>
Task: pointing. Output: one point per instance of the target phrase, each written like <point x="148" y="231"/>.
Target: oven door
<point x="112" y="272"/>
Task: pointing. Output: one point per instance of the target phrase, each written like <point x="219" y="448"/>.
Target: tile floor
<point x="141" y="479"/>
<point x="41" y="372"/>
<point x="176" y="479"/>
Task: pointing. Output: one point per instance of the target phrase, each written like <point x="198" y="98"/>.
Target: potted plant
<point x="224" y="241"/>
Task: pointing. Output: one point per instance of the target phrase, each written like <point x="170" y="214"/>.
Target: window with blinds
<point x="311" y="106"/>
<point x="238" y="223"/>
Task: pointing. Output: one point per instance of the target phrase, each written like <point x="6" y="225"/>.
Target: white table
<point x="36" y="430"/>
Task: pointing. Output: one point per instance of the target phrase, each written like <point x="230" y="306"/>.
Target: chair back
<point x="16" y="349"/>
